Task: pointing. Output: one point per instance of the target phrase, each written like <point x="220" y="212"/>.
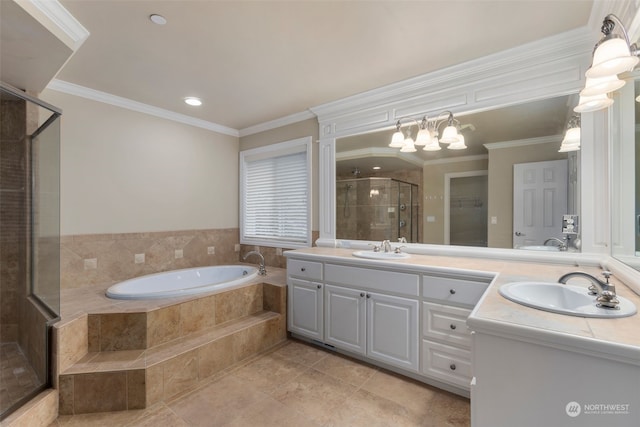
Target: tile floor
<point x="17" y="377"/>
<point x="298" y="385"/>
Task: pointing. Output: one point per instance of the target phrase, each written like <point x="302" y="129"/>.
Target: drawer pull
<point x="362" y="294"/>
<point x="452" y="326"/>
<point x="303" y="269"/>
<point x="368" y="296"/>
<point x="452" y="291"/>
<point x="452" y="366"/>
<point x="319" y="286"/>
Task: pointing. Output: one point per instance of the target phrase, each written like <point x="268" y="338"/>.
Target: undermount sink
<point x="563" y="299"/>
<point x="380" y="255"/>
<point x="541" y="248"/>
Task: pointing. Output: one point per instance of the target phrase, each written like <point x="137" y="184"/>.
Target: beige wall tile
<point x="72" y="342"/>
<point x="66" y="394"/>
<point x="123" y="331"/>
<point x="163" y="325"/>
<point x="216" y="356"/>
<point x="197" y="314"/>
<point x="155" y="383"/>
<point x="180" y="373"/>
<point x="136" y="389"/>
<point x="243" y="302"/>
<point x="100" y="392"/>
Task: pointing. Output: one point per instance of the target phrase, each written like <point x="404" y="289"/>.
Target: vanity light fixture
<point x="571" y="140"/>
<point x="428" y="131"/>
<point x="612" y="55"/>
<point x="193" y="101"/>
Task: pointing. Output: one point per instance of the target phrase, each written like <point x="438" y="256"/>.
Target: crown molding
<point x="455" y="160"/>
<point x="107" y="98"/>
<point x="561" y="46"/>
<point x="379" y="152"/>
<point x="60" y="19"/>
<point x="274" y="124"/>
<point x="523" y="142"/>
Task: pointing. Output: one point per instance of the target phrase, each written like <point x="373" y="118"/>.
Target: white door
<point x="393" y="330"/>
<point x="539" y="201"/>
<point x="305" y="308"/>
<point x="345" y="318"/>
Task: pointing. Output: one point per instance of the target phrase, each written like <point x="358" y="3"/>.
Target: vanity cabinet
<point x="382" y="327"/>
<point x="306" y="300"/>
<point x="446" y="339"/>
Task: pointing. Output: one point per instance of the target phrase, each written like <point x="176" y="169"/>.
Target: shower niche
<point x="377" y="209"/>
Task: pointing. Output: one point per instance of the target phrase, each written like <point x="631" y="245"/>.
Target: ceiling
<point x="252" y="62"/>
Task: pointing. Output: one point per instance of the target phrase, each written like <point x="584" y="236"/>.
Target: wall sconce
<point x="613" y="54"/>
<point x="571" y="140"/>
<point x="428" y="132"/>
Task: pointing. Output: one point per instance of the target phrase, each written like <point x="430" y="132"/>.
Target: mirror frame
<point x="546" y="68"/>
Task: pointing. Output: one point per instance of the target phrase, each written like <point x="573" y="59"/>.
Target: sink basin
<point x="541" y="248"/>
<point x="380" y="255"/>
<point x="563" y="299"/>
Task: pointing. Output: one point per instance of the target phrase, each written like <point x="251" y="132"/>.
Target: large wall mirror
<point x="625" y="158"/>
<point x="508" y="189"/>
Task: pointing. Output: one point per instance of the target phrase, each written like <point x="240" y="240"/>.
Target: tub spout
<point x="262" y="269"/>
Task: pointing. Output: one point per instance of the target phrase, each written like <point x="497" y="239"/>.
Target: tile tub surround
<point x="100" y="259"/>
<point x="296" y="384"/>
<point x="119" y="355"/>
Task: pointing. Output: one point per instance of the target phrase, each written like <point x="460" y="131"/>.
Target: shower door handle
<point x="519" y="234"/>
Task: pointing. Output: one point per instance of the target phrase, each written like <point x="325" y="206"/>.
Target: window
<point x="275" y="195"/>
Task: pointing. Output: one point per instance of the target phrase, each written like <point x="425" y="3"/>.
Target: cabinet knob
<point x="368" y="296"/>
<point x="319" y="286"/>
<point x="361" y="294"/>
<point x="303" y="269"/>
<point x="452" y="291"/>
<point x="452" y="366"/>
<point x="452" y="326"/>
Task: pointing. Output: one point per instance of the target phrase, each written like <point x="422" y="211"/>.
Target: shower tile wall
<point x="13" y="216"/>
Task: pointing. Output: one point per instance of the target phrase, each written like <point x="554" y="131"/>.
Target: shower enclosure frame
<point x="50" y="314"/>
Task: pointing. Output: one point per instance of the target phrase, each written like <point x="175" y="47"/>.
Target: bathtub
<point x="177" y="283"/>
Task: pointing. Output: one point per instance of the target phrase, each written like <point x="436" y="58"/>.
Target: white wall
<point x="124" y="171"/>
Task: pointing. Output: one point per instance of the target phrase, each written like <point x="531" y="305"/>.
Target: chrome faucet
<point x="561" y="243"/>
<point x="386" y="246"/>
<point x="262" y="270"/>
<point x="606" y="291"/>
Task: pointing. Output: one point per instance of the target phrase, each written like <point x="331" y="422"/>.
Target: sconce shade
<point x="408" y="146"/>
<point x="593" y="103"/>
<point x="397" y="140"/>
<point x="423" y="138"/>
<point x="572" y="136"/>
<point x="601" y="85"/>
<point x="564" y="148"/>
<point x="459" y="144"/>
<point x="434" y="146"/>
<point x="449" y="135"/>
<point x="612" y="56"/>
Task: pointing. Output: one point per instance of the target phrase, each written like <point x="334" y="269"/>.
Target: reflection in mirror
<point x="626" y="176"/>
<point x="509" y="189"/>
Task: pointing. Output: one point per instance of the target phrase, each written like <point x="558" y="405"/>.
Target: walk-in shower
<point x="29" y="244"/>
<point x="377" y="209"/>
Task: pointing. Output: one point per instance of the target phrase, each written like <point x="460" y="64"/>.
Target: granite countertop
<point x="618" y="337"/>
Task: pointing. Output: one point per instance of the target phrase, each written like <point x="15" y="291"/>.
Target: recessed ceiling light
<point x="192" y="100"/>
<point x="376" y="168"/>
<point x="157" y="19"/>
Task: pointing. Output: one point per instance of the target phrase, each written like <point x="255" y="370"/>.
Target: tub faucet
<point x="262" y="271"/>
<point x="561" y="243"/>
<point x="606" y="291"/>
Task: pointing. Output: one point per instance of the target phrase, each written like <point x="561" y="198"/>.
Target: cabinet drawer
<point x="446" y="323"/>
<point x="456" y="291"/>
<point x="304" y="269"/>
<point x="448" y="364"/>
<point x="373" y="279"/>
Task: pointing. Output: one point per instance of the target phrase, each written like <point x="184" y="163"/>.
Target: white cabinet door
<point x="393" y="330"/>
<point x="345" y="318"/>
<point x="305" y="308"/>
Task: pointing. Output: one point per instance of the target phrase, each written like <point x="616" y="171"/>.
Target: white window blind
<point x="275" y="192"/>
